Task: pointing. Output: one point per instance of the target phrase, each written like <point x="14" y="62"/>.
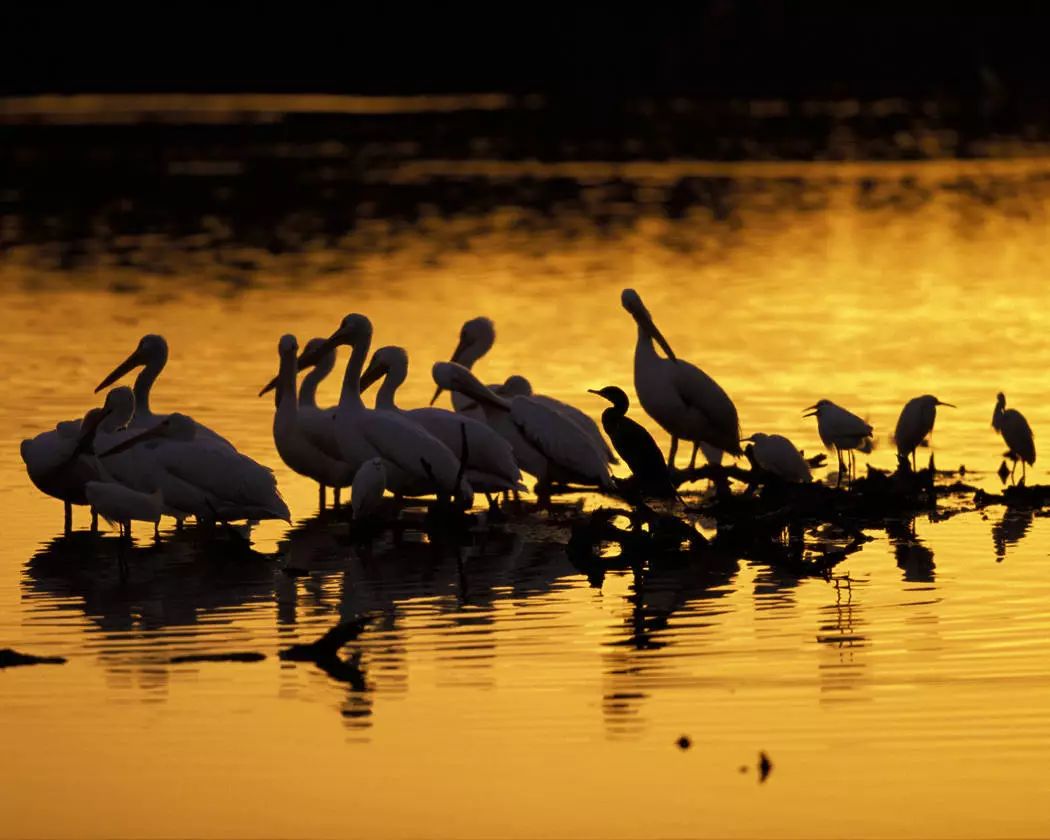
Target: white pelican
<point x="367" y="490"/>
<point x="203" y="480"/>
<point x="686" y="402"/>
<point x="490" y="465"/>
<point x="294" y="444"/>
<point x="416" y="462"/>
<point x="59" y="461"/>
<point x="546" y="443"/>
<point x="476" y="338"/>
<point x="519" y="386"/>
<point x="777" y="455"/>
<point x="1014" y="428"/>
<point x="841" y="430"/>
<point x="151" y="355"/>
<point x="915" y="424"/>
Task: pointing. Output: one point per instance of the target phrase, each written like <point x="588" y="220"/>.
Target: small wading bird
<point x="842" y="430"/>
<point x="367" y="490"/>
<point x="686" y="402"/>
<point x="476" y="338"/>
<point x="416" y="462"/>
<point x="914" y="425"/>
<point x="1020" y="442"/>
<point x="151" y="355"/>
<point x="636" y="446"/>
<point x="490" y="465"/>
<point x="780" y="457"/>
<point x="546" y="443"/>
<point x="295" y="446"/>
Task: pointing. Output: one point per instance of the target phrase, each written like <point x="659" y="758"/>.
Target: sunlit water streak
<point x="508" y="694"/>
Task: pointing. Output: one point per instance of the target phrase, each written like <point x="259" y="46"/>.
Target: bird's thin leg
<point x="1013" y="467"/>
<point x="1024" y="465"/>
<point x="692" y="460"/>
<point x="672" y="452"/>
<point x="320" y="496"/>
<point x="335" y="497"/>
<point x="842" y="466"/>
<point x="156" y="531"/>
<point x="94" y="521"/>
<point x="68" y="518"/>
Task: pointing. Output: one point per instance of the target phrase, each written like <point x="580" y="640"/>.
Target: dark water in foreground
<point x="502" y="692"/>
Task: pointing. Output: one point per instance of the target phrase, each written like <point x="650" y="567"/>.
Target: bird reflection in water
<point x="1010" y="530"/>
<point x="913" y="556"/>
<point x="839" y="634"/>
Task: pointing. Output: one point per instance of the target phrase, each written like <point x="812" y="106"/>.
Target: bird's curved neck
<point x="350" y="396"/>
<point x="472" y="353"/>
<point x="144" y="383"/>
<point x="393" y="380"/>
<point x="645" y="347"/>
<point x="308" y="387"/>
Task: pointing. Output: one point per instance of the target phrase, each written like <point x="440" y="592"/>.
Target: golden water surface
<point x="509" y="695"/>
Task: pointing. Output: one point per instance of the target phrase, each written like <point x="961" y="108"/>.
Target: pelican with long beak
<point x="151" y="355"/>
<point x="416" y="462"/>
<point x="686" y="402"/>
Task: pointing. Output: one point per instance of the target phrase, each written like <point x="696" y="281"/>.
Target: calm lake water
<point x="503" y="693"/>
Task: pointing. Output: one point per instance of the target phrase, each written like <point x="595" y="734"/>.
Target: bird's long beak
<point x="809" y="411"/>
<point x="130" y="363"/>
<point x="748" y="439"/>
<point x="150" y="433"/>
<point x="947" y="404"/>
<point x="456" y="356"/>
<point x="374" y="372"/>
<point x="309" y="358"/>
<point x="658" y="336"/>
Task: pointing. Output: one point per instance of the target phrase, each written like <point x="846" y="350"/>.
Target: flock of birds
<point x="130" y="464"/>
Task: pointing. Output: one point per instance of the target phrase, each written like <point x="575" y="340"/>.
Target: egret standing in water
<point x="686" y="402"/>
<point x="842" y="430"/>
<point x="780" y="457"/>
<point x="915" y="424"/>
<point x="636" y="446"/>
<point x="1012" y="425"/>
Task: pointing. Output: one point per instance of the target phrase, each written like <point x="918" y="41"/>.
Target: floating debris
<point x="236" y="656"/>
<point x="684" y="742"/>
<point x="12" y="659"/>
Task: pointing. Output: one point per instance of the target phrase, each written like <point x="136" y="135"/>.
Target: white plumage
<point x="367" y="490"/>
<point x="777" y="455"/>
<point x="546" y="444"/>
<point x="686" y="402"/>
<point x="490" y="465"/>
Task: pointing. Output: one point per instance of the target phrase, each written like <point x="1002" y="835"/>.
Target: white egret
<point x="151" y="355"/>
<point x="416" y="462"/>
<point x="1012" y="425"/>
<point x="367" y="490"/>
<point x="206" y="481"/>
<point x="915" y="424"/>
<point x="842" y="430"/>
<point x="777" y="455"/>
<point x="295" y="446"/>
<point x="490" y="465"/>
<point x="546" y="443"/>
<point x="686" y="402"/>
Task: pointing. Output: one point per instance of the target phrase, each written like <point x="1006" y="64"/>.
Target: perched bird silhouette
<point x="636" y="446"/>
<point x="1011" y="424"/>
<point x="841" y="429"/>
<point x="915" y="424"/>
<point x="779" y="456"/>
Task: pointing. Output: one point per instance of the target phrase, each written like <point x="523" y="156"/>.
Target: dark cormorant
<point x="636" y="446"/>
